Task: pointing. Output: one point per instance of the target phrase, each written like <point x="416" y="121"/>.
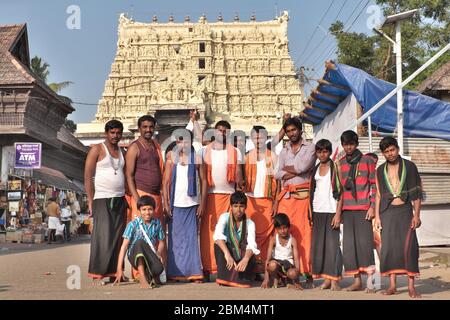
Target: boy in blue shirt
<point x="135" y="243"/>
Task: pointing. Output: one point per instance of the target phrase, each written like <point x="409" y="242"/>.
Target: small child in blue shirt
<point x="135" y="243"/>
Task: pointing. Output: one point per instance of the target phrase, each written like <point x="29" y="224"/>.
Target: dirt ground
<point x="40" y="272"/>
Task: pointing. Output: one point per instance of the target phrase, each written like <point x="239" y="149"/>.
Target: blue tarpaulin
<point x="423" y="116"/>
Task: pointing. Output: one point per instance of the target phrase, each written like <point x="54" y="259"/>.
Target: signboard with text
<point x="28" y="155"/>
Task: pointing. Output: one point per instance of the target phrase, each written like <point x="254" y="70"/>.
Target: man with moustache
<point x="295" y="164"/>
<point x="144" y="170"/>
<point x="261" y="188"/>
<point x="105" y="163"/>
<point x="185" y="192"/>
<point x="223" y="174"/>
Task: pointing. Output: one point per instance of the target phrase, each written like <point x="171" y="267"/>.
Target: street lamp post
<point x="399" y="72"/>
<point x="397" y="19"/>
<point x="161" y="79"/>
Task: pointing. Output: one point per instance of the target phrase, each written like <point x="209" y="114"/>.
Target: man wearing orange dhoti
<point x="223" y="174"/>
<point x="294" y="167"/>
<point x="261" y="188"/>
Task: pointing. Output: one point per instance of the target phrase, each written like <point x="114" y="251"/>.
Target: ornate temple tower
<point x="238" y="71"/>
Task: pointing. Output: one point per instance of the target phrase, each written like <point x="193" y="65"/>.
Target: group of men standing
<point x="196" y="184"/>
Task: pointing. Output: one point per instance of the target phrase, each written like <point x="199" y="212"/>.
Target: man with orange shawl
<point x="294" y="167"/>
<point x="223" y="175"/>
<point x="261" y="188"/>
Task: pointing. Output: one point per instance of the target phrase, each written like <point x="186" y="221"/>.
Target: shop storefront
<point x="24" y="202"/>
<point x="32" y="113"/>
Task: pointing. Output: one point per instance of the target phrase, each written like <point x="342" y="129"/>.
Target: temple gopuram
<point x="236" y="71"/>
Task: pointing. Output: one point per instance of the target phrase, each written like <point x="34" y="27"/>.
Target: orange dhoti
<point x="133" y="213"/>
<point x="259" y="210"/>
<point x="298" y="212"/>
<point x="216" y="204"/>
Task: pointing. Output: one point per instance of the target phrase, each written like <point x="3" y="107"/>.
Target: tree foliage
<point x="41" y="69"/>
<point x="57" y="87"/>
<point x="72" y="126"/>
<point x="422" y="37"/>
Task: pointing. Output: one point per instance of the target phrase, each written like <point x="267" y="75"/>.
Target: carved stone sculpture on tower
<point x="253" y="52"/>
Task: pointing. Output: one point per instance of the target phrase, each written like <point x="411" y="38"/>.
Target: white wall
<point x="337" y="122"/>
<point x="8" y="154"/>
<point x="435" y="229"/>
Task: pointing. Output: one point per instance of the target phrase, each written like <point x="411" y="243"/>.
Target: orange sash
<point x="270" y="185"/>
<point x="292" y="188"/>
<point x="231" y="164"/>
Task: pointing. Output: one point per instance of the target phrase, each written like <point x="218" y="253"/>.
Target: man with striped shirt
<point x="358" y="207"/>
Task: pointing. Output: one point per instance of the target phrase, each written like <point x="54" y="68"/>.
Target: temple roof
<point x="12" y="69"/>
<point x="66" y="137"/>
<point x="15" y="61"/>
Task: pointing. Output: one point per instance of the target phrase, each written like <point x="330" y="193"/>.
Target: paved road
<point x="24" y="275"/>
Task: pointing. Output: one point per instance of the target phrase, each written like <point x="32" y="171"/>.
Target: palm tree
<point x="57" y="87"/>
<point x="40" y="69"/>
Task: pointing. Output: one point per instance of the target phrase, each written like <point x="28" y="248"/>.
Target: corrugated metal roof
<point x="436" y="188"/>
<point x="432" y="157"/>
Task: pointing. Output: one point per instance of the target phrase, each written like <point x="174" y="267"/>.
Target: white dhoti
<point x="54" y="223"/>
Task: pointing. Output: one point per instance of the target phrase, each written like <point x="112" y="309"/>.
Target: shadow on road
<point x="4" y="288"/>
<point x="15" y="248"/>
<point x="433" y="285"/>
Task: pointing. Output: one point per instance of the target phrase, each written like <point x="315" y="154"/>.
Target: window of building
<point x="200" y="78"/>
<point x="191" y="29"/>
<point x="202" y="47"/>
<point x="201" y="63"/>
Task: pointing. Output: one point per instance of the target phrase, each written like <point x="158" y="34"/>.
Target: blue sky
<point x="84" y="56"/>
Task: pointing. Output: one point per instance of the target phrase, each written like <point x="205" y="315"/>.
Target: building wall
<point x="7" y="158"/>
